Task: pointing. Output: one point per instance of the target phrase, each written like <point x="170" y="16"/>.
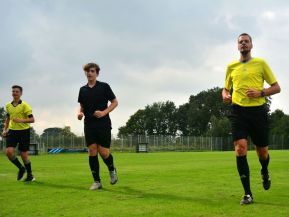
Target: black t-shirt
<point x="95" y="98"/>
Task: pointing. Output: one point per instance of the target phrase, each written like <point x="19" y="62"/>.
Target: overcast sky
<point x="148" y="51"/>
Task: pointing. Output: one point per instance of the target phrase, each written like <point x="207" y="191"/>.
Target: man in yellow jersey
<point x="17" y="132"/>
<point x="245" y="80"/>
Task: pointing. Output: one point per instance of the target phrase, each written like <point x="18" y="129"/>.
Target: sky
<point x="148" y="51"/>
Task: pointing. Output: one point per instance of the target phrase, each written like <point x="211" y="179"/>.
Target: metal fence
<point x="154" y="143"/>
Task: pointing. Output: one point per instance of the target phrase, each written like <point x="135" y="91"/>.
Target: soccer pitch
<point x="190" y="184"/>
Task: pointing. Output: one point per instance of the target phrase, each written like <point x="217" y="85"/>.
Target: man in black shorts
<point x="93" y="98"/>
<point x="245" y="80"/>
<point x="17" y="132"/>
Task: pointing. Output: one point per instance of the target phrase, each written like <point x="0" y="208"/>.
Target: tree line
<point x="204" y="114"/>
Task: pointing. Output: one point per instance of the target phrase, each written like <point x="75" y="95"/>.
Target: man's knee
<point x="104" y="152"/>
<point x="10" y="152"/>
<point x="92" y="150"/>
<point x="24" y="156"/>
<point x="241" y="147"/>
<point x="262" y="152"/>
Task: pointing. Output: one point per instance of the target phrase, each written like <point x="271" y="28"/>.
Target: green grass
<point x="191" y="184"/>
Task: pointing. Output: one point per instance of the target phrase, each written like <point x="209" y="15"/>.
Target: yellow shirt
<point x="22" y="110"/>
<point x="243" y="76"/>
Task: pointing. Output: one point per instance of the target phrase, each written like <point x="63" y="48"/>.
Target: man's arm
<point x="30" y="119"/>
<point x="6" y="125"/>
<point x="273" y="89"/>
<point x="110" y="108"/>
<point x="227" y="98"/>
<point x="80" y="112"/>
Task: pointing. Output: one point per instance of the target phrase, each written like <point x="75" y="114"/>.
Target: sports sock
<point x="109" y="162"/>
<point x="27" y="165"/>
<point x="264" y="164"/>
<point x="94" y="167"/>
<point x="243" y="169"/>
<point x="16" y="162"/>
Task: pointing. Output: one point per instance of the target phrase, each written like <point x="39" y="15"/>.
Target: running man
<point x="93" y="98"/>
<point x="17" y="132"/>
<point x="245" y="80"/>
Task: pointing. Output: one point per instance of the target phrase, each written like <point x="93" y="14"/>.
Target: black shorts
<point x="250" y="121"/>
<point x="18" y="137"/>
<point x="98" y="136"/>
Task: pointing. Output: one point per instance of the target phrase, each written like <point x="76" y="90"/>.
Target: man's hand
<point x="99" y="114"/>
<point x="252" y="93"/>
<point x="227" y="98"/>
<point x="4" y="133"/>
<point x="18" y="120"/>
<point x="80" y="116"/>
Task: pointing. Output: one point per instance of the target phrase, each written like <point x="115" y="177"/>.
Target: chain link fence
<point x="154" y="143"/>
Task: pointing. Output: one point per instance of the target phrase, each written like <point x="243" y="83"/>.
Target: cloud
<point x="148" y="51"/>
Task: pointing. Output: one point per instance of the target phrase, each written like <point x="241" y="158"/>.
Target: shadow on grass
<point x="139" y="194"/>
<point x="126" y="192"/>
<point x="270" y="204"/>
<point x="57" y="186"/>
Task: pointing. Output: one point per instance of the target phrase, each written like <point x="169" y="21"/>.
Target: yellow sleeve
<point x="269" y="77"/>
<point x="7" y="109"/>
<point x="27" y="110"/>
<point x="228" y="81"/>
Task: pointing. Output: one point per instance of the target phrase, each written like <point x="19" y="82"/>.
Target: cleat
<point x="21" y="173"/>
<point x="113" y="177"/>
<point x="95" y="185"/>
<point x="30" y="178"/>
<point x="266" y="181"/>
<point x="247" y="199"/>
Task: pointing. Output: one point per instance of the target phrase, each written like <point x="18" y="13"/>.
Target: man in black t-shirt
<point x="93" y="98"/>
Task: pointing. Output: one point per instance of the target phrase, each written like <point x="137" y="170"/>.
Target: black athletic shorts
<point x="250" y="121"/>
<point x="20" y="138"/>
<point x="98" y="136"/>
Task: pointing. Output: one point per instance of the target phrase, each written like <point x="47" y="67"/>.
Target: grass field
<point x="191" y="184"/>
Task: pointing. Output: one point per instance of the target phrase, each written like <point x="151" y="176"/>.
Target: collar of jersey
<point x="93" y="86"/>
<point x="247" y="61"/>
<point x="20" y="101"/>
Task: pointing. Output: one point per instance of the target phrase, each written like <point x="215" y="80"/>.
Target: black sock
<point x="109" y="162"/>
<point x="243" y="169"/>
<point x="17" y="163"/>
<point x="28" y="167"/>
<point x="94" y="167"/>
<point x="264" y="164"/>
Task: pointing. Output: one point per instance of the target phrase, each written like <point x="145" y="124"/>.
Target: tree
<point x="279" y="123"/>
<point x="156" y="119"/>
<point x="53" y="131"/>
<point x="204" y="113"/>
<point x="135" y="125"/>
<point x="33" y="135"/>
<point x="161" y="118"/>
<point x="2" y="117"/>
<point x="62" y="137"/>
<point x="194" y="117"/>
<point x="219" y="127"/>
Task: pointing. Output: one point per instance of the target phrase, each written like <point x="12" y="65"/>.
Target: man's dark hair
<point x="88" y="66"/>
<point x="245" y="34"/>
<point x="17" y="86"/>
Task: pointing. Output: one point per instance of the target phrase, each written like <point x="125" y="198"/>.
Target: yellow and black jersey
<point x="21" y="110"/>
<point x="243" y="76"/>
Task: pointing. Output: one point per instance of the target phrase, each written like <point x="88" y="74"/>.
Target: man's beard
<point x="245" y="52"/>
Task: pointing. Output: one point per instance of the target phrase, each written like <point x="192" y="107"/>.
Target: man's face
<point x="16" y="93"/>
<point x="91" y="74"/>
<point x="244" y="44"/>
